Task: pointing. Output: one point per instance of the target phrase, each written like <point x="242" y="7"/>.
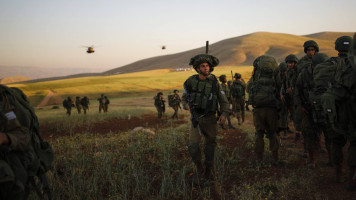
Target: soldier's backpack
<point x="263" y="89"/>
<point x="323" y="77"/>
<point x="107" y="101"/>
<point x="170" y="100"/>
<point x="237" y="89"/>
<point x="41" y="152"/>
<point x="65" y="103"/>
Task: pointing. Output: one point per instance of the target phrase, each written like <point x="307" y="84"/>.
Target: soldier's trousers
<point x="312" y="134"/>
<point x="339" y="141"/>
<point x="69" y="110"/>
<point x="175" y="115"/>
<point x="101" y="107"/>
<point x="159" y="112"/>
<point x="265" y="121"/>
<point x="298" y="118"/>
<point x="283" y="116"/>
<point x="209" y="129"/>
<point x="79" y="109"/>
<point x="239" y="107"/>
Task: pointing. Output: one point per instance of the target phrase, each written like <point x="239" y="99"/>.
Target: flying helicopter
<point x="90" y="49"/>
<point x="163" y="47"/>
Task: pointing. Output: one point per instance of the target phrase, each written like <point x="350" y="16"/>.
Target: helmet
<point x="283" y="67"/>
<point x="310" y="43"/>
<point x="222" y="78"/>
<point x="291" y="58"/>
<point x="343" y="43"/>
<point x="319" y="58"/>
<point x="159" y="93"/>
<point x="237" y="75"/>
<point x="174" y="91"/>
<point x="229" y="82"/>
<point x="204" y="58"/>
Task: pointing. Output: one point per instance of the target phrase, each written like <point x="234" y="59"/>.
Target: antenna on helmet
<point x="207" y="47"/>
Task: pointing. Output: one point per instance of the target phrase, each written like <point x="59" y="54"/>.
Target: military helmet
<point x="343" y="43"/>
<point x="222" y="77"/>
<point x="174" y="91"/>
<point x="204" y="58"/>
<point x="283" y="67"/>
<point x="237" y="75"/>
<point x="291" y="58"/>
<point x="319" y="58"/>
<point x="159" y="93"/>
<point x="229" y="82"/>
<point x="310" y="43"/>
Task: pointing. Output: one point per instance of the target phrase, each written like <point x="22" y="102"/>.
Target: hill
<point x="240" y="50"/>
<point x="13" y="79"/>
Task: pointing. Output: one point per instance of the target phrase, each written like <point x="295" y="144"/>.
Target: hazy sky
<point x="49" y="33"/>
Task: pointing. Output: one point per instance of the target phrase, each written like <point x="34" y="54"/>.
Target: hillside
<point x="240" y="50"/>
<point x="13" y="79"/>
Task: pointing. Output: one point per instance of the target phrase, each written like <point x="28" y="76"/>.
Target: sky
<point x="53" y="34"/>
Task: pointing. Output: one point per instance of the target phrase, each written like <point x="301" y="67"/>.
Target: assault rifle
<point x="192" y="109"/>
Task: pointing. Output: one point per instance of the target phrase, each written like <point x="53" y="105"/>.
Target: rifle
<point x="232" y="77"/>
<point x="192" y="109"/>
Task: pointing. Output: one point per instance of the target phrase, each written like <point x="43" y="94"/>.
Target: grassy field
<point x="124" y="85"/>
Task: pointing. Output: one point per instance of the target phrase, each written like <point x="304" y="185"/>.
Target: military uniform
<point x="101" y="101"/>
<point x="68" y="104"/>
<point x="238" y="100"/>
<point x="14" y="124"/>
<point x="312" y="125"/>
<point x="159" y="104"/>
<point x="78" y="105"/>
<point x="106" y="104"/>
<point x="203" y="96"/>
<point x="85" y="104"/>
<point x="226" y="88"/>
<point x="176" y="105"/>
<point x="339" y="106"/>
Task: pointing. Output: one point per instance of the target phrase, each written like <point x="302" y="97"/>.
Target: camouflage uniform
<point x="159" y="104"/>
<point x="283" y="111"/>
<point x="101" y="101"/>
<point x="263" y="96"/>
<point x="14" y="126"/>
<point x="106" y="104"/>
<point x="226" y="88"/>
<point x="85" y="104"/>
<point x="78" y="105"/>
<point x="339" y="105"/>
<point x="205" y="101"/>
<point x="68" y="104"/>
<point x="238" y="101"/>
<point x="176" y="104"/>
<point x="311" y="128"/>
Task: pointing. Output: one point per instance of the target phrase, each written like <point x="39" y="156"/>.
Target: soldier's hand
<point x="289" y="90"/>
<point x="282" y="99"/>
<point x="221" y="120"/>
<point x="4" y="139"/>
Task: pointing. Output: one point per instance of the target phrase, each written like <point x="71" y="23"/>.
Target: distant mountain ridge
<point x="236" y="51"/>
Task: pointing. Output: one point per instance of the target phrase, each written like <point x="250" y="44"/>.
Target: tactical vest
<point x="226" y="89"/>
<point x="200" y="91"/>
<point x="238" y="89"/>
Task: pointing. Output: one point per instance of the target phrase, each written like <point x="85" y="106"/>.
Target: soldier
<point x="85" y="104"/>
<point x="339" y="106"/>
<point x="101" y="101"/>
<point x="106" y="104"/>
<point x="311" y="128"/>
<point x="174" y="102"/>
<point x="225" y="87"/>
<point x="238" y="88"/>
<point x="160" y="105"/>
<point x="19" y="137"/>
<point x="310" y="48"/>
<point x="68" y="104"/>
<point x="78" y="104"/>
<point x="283" y="112"/>
<point x="202" y="94"/>
<point x="287" y="91"/>
<point x="263" y="97"/>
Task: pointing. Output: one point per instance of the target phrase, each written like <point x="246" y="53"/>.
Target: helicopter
<point x="90" y="49"/>
<point x="163" y="47"/>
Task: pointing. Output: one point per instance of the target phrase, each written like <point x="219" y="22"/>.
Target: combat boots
<point x="352" y="180"/>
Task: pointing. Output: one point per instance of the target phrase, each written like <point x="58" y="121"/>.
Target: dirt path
<point x="51" y="97"/>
